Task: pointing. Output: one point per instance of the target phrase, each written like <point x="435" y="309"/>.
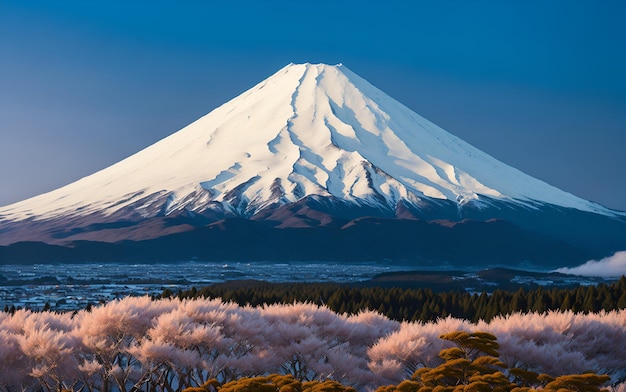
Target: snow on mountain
<point x="310" y="129"/>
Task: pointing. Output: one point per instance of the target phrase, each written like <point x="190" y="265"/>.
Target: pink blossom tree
<point x="137" y="343"/>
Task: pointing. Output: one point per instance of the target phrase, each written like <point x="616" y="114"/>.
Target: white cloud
<point x="612" y="266"/>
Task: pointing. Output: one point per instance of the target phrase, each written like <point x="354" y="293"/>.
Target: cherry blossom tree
<point x="172" y="344"/>
<point x="13" y="363"/>
<point x="50" y="354"/>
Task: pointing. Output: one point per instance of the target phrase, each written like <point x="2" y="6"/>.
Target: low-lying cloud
<point x="609" y="267"/>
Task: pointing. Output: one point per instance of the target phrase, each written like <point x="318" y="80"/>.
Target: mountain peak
<point x="314" y="65"/>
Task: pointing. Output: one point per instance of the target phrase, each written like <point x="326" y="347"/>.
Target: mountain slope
<point x="308" y="129"/>
<point x="313" y="145"/>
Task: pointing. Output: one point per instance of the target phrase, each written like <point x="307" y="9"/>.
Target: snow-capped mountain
<point x="311" y="135"/>
<point x="310" y="129"/>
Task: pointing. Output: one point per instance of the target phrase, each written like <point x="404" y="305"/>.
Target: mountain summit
<point x="313" y="145"/>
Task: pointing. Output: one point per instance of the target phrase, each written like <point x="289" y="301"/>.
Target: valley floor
<point x="74" y="286"/>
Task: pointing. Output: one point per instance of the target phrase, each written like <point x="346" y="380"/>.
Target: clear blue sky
<point x="540" y="85"/>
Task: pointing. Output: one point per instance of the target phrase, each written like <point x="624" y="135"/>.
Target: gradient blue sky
<point x="539" y="85"/>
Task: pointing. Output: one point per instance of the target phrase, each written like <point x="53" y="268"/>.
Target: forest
<point x="170" y="344"/>
<point x="417" y="304"/>
<point x="473" y="364"/>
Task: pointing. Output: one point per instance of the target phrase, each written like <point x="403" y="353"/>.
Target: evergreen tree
<point x="473" y="365"/>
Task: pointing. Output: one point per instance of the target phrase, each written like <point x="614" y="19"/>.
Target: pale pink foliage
<point x="15" y="323"/>
<point x="563" y="342"/>
<point x="620" y="387"/>
<point x="312" y="342"/>
<point x="169" y="344"/>
<point x="13" y="363"/>
<point x="50" y="353"/>
<point x="414" y="345"/>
